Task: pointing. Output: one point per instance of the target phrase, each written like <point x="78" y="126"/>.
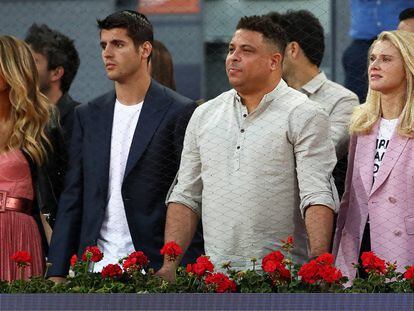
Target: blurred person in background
<point x="57" y="62"/>
<point x="27" y="147"/>
<point x="256" y="163"/>
<point x="125" y="152"/>
<point x="406" y="19"/>
<point x="302" y="59"/>
<point x="368" y="19"/>
<point x="377" y="210"/>
<point x="161" y="65"/>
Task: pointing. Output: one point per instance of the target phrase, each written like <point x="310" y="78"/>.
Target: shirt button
<point x="397" y="232"/>
<point x="238" y="147"/>
<point x="242" y="131"/>
<point x="392" y="200"/>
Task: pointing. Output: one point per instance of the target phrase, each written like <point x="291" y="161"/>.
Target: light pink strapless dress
<point x="18" y="231"/>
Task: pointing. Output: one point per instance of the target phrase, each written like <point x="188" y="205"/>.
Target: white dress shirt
<point x="338" y="103"/>
<point x="251" y="176"/>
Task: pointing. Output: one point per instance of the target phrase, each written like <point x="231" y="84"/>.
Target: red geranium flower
<point x="111" y="271"/>
<point x="220" y="282"/>
<point x="372" y="263"/>
<point x="94" y="254"/>
<point x="325" y="259"/>
<point x="22" y="258"/>
<point x="330" y="274"/>
<point x="135" y="261"/>
<point x="288" y="244"/>
<point x="201" y="267"/>
<point x="272" y="264"/>
<point x="276" y="270"/>
<point x="172" y="250"/>
<point x="73" y="260"/>
<point x="409" y="274"/>
<point x="320" y="269"/>
<point x="273" y="256"/>
<point x="309" y="272"/>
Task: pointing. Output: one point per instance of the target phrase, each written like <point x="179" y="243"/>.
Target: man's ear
<point x="56" y="74"/>
<point x="292" y="49"/>
<point x="276" y="61"/>
<point x="146" y="48"/>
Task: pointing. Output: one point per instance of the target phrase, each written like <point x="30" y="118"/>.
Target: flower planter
<point x="207" y="302"/>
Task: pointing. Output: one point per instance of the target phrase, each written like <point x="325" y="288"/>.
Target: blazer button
<point x="397" y="232"/>
<point x="392" y="200"/>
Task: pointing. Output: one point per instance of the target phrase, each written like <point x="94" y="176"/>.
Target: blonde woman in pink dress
<point x="24" y="114"/>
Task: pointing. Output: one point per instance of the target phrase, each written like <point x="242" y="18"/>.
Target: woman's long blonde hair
<point x="366" y="115"/>
<point x="30" y="109"/>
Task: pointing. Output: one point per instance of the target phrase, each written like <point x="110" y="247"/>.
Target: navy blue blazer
<point x="152" y="164"/>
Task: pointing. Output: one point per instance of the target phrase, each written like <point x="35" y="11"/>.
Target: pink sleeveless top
<point x="15" y="177"/>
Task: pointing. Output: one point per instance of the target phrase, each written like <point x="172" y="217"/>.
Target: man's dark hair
<point x="58" y="49"/>
<point x="276" y="18"/>
<point x="264" y="25"/>
<point x="305" y="29"/>
<point x="406" y="14"/>
<point x="138" y="27"/>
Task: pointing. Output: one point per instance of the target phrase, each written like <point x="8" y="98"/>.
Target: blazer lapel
<point x="102" y="137"/>
<point x="153" y="110"/>
<point x="395" y="148"/>
<point x="367" y="145"/>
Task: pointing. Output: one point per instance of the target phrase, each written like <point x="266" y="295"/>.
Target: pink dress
<point x="18" y="231"/>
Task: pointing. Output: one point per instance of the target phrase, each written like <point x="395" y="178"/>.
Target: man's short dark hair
<point x="406" y="14"/>
<point x="138" y="27"/>
<point x="58" y="49"/>
<point x="264" y="25"/>
<point x="305" y="29"/>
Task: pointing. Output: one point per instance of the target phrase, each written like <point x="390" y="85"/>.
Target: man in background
<point x="57" y="63"/>
<point x="406" y="19"/>
<point x="368" y="19"/>
<point x="301" y="70"/>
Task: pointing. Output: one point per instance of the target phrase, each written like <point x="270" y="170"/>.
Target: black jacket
<point x="48" y="178"/>
<point x="66" y="107"/>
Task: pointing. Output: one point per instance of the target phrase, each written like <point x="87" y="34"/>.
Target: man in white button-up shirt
<point x="256" y="163"/>
<point x="303" y="56"/>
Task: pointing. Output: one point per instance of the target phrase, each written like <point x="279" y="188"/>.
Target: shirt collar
<point x="275" y="93"/>
<point x="313" y="85"/>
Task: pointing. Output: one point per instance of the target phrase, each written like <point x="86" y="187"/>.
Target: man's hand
<point x="167" y="273"/>
<point x="57" y="279"/>
<point x="180" y="226"/>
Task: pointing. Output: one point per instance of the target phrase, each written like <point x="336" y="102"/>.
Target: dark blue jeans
<point x="355" y="62"/>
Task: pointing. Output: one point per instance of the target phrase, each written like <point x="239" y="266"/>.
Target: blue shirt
<point x="370" y="17"/>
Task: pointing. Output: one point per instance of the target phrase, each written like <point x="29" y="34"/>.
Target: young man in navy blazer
<point x="125" y="152"/>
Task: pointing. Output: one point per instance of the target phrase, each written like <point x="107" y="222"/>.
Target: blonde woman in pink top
<point x="24" y="113"/>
